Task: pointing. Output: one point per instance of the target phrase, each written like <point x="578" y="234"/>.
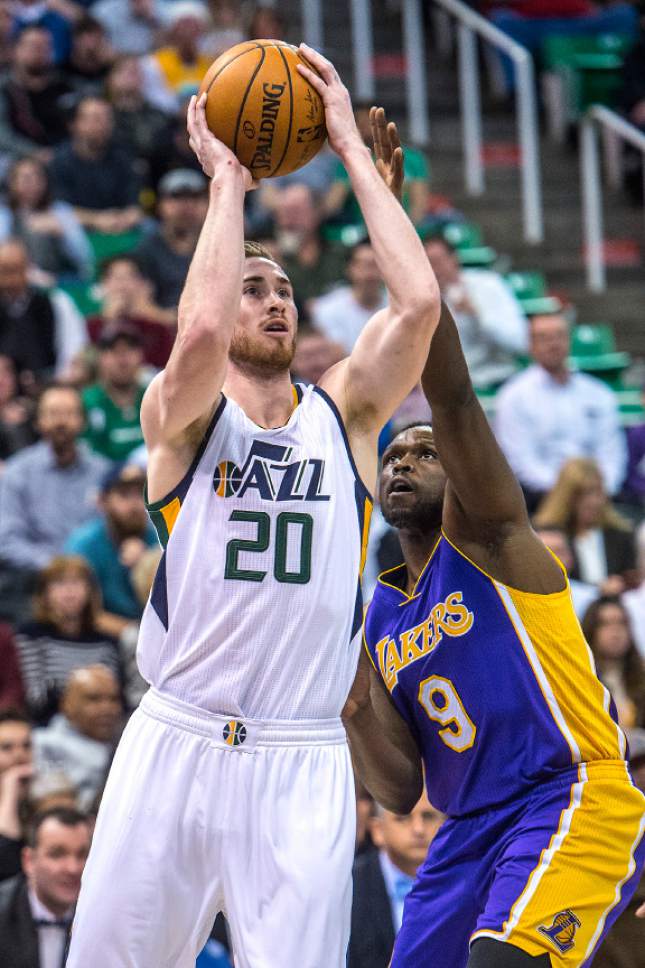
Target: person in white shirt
<point x="342" y="313"/>
<point x="492" y="326"/>
<point x="548" y="414"/>
<point x="634" y="600"/>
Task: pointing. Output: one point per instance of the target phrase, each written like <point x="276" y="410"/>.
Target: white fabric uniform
<point x="232" y="787"/>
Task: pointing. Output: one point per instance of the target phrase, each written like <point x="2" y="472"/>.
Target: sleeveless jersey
<point x="497" y="685"/>
<point x="256" y="606"/>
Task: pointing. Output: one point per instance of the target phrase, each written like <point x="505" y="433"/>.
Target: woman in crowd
<point x="601" y="539"/>
<point x="618" y="662"/>
<point x="55" y="240"/>
<point x="63" y="635"/>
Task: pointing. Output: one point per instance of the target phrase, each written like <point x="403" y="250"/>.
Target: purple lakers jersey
<point x="497" y="685"/>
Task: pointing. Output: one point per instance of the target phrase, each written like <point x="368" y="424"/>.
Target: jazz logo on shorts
<point x="234" y="733"/>
<point x="562" y="931"/>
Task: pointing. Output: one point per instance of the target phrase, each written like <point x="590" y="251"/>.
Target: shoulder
<point x="9" y="889"/>
<point x="93" y="396"/>
<point x="591" y="386"/>
<point x="519" y="385"/>
<point x="34" y="630"/>
<point x="366" y="866"/>
<point x="31" y="457"/>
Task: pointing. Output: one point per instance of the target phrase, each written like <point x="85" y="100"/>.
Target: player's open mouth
<point x="276" y="327"/>
<point x="400" y="486"/>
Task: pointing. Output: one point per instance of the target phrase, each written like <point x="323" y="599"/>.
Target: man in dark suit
<point x="36" y="906"/>
<point x="383" y="877"/>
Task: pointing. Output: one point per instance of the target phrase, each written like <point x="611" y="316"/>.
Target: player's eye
<point x="428" y="455"/>
<point x="390" y="459"/>
<point x="286" y="293"/>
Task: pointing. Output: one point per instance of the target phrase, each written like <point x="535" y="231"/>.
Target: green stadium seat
<point x="589" y="68"/>
<point x="593" y="350"/>
<point x="478" y="257"/>
<point x="106" y="246"/>
<point x="85" y="295"/>
<point x="630" y="404"/>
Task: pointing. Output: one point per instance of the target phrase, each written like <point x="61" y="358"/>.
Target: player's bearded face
<point x="412" y="483"/>
<point x="258" y="353"/>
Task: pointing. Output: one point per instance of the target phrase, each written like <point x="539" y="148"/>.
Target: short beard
<point x="252" y="356"/>
<point x="423" y="518"/>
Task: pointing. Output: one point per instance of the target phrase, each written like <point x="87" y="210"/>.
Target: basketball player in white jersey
<point x="232" y="787"/>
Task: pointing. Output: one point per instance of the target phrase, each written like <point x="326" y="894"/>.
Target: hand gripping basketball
<point x="339" y="117"/>
<point x="212" y="154"/>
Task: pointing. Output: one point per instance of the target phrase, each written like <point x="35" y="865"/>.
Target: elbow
<point x="422" y="304"/>
<point x="199" y="336"/>
<point x="401" y="801"/>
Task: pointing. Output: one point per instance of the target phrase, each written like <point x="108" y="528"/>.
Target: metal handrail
<point x="592" y="184"/>
<point x="471" y="23"/>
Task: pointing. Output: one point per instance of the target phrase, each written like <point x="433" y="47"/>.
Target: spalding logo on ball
<point x="263" y="109"/>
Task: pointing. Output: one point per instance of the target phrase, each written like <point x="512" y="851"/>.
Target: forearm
<point x="10" y="826"/>
<point x="403" y="263"/>
<point x="211" y="295"/>
<point x="392" y="777"/>
<point x="445" y="380"/>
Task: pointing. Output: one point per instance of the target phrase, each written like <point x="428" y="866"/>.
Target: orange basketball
<point x="263" y="109"/>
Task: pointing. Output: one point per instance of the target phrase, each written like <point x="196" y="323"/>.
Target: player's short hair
<point x="67" y="816"/>
<point x="255" y="250"/>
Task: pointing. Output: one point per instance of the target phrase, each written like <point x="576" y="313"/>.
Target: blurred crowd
<point x="102" y="203"/>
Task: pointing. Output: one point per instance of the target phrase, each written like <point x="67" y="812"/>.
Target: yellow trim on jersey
<point x="584" y="868"/>
<point x="367" y="517"/>
<point x="294" y="394"/>
<point x="550" y="634"/>
<point x="169" y="512"/>
<point x="565" y="591"/>
<point x="408" y="598"/>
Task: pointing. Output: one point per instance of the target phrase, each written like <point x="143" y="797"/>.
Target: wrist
<point x="227" y="178"/>
<point x="354" y="152"/>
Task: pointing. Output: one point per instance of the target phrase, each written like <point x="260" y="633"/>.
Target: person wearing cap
<point x="165" y="254"/>
<point x="113" y="404"/>
<point x="114" y="541"/>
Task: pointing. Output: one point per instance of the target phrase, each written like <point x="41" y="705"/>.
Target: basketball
<point x="263" y="109"/>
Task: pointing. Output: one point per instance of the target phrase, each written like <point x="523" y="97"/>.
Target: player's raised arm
<point x="190" y="385"/>
<point x="484" y="508"/>
<point x="387" y="359"/>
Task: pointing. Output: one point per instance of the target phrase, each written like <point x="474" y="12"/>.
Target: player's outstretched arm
<point x="190" y="385"/>
<point x="385" y="755"/>
<point x="484" y="509"/>
<point x="387" y="359"/>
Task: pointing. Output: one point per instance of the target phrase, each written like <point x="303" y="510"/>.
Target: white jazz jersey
<point x="256" y="606"/>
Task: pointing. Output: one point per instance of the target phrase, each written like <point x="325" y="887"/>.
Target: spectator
<point x="601" y="539"/>
<point x="16" y="772"/>
<point x="340" y="201"/>
<point x="90" y="57"/>
<point x="37" y="906"/>
<point x="227" y="28"/>
<point x="624" y="945"/>
<point x="46" y="491"/>
<point x="33" y="98"/>
<point x="634" y="600"/>
<point x="342" y="313"/>
<point x="12" y="693"/>
<point x="63" y="635"/>
<point x="7" y="39"/>
<point x="312" y="264"/>
<point x="173" y="151"/>
<point x="383" y="878"/>
<point x="557" y="541"/>
<point x="132" y="25"/>
<point x="266" y="24"/>
<point x="492" y="327"/>
<point x="32" y="13"/>
<point x="52" y="790"/>
<point x="141" y="128"/>
<point x="114" y="542"/>
<point x="633" y="492"/>
<point x="164" y="255"/>
<point x="315" y="354"/>
<point x="618" y="662"/>
<point x="179" y="64"/>
<point x="40" y="331"/>
<point x="16" y="412"/>
<point x="127" y="301"/>
<point x="80" y="739"/>
<point x="82" y="369"/>
<point x="548" y="414"/>
<point x="49" y="229"/>
<point x="112" y="406"/>
<point x="93" y="174"/>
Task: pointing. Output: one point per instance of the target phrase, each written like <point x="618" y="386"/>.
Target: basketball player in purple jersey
<point x="476" y="674"/>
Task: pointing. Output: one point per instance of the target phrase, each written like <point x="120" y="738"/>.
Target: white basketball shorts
<point x="202" y="814"/>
